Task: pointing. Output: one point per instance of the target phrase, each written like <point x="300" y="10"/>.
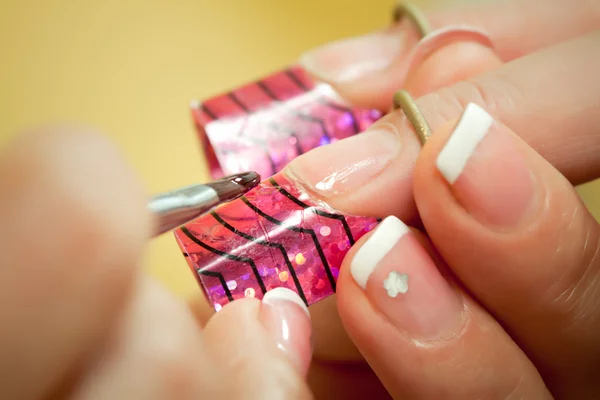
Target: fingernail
<point x="286" y="317"/>
<point x="342" y="166"/>
<point x="350" y="59"/>
<point x="444" y="37"/>
<point x="402" y="282"/>
<point x="488" y="174"/>
<point x="447" y="56"/>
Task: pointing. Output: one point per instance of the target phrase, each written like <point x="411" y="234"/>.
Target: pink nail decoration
<point x="262" y="126"/>
<point x="275" y="236"/>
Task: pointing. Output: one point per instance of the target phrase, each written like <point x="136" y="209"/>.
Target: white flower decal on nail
<point x="396" y="283"/>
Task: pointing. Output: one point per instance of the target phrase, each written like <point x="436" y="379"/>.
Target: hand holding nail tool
<point x="182" y="205"/>
<point x="277" y="236"/>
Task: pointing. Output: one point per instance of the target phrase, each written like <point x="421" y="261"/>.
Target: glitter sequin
<point x="325" y="231"/>
<point x="249" y="293"/>
<point x="283" y="276"/>
<point x="300" y="259"/>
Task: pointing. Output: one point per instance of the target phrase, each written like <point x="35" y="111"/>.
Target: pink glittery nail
<point x="264" y="125"/>
<point x="275" y="236"/>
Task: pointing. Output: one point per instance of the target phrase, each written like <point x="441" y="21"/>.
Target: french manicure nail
<point x="286" y="317"/>
<point x="487" y="171"/>
<point x="401" y="280"/>
<point x="350" y="59"/>
<point x="349" y="163"/>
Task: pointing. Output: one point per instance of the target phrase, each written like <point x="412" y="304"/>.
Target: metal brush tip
<point x="182" y="205"/>
<point x="233" y="186"/>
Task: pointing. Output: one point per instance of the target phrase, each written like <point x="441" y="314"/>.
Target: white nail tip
<point x="469" y="132"/>
<point x="375" y="248"/>
<point x="285" y="294"/>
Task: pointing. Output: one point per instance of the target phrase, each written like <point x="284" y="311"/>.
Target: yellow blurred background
<point x="132" y="67"/>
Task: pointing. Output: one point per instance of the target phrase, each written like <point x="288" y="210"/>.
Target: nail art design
<point x="395" y="284"/>
<point x="275" y="236"/>
<point x="264" y="125"/>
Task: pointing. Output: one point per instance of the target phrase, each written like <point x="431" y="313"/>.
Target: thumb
<point x="262" y="348"/>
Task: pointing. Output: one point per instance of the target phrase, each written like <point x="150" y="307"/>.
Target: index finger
<point x="553" y="104"/>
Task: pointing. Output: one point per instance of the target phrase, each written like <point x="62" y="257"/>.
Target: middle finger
<point x="368" y="69"/>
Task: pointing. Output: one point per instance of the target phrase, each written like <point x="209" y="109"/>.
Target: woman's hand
<point x="519" y="314"/>
<point x="529" y="325"/>
<point x="80" y="320"/>
<point x="506" y="56"/>
<point x="508" y="309"/>
<point x="547" y="97"/>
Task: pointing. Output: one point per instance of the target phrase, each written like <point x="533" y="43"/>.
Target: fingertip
<point x="448" y="56"/>
<point x="285" y="316"/>
<point x="425" y="171"/>
<point x="279" y="325"/>
<point x="259" y="349"/>
<point x="354" y="307"/>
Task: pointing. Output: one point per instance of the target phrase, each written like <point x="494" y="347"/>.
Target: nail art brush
<point x="179" y="206"/>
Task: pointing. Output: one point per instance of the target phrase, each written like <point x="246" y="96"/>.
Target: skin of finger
<point x="342" y="372"/>
<point x="539" y="278"/>
<point x="325" y="317"/>
<point x="516" y="27"/>
<point x="73" y="228"/>
<point x="550" y="104"/>
<point x="478" y="361"/>
<point x="338" y="373"/>
<point x="445" y="66"/>
<point x="155" y="351"/>
<point x="520" y="27"/>
<point x="450" y="64"/>
<point x="249" y="363"/>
